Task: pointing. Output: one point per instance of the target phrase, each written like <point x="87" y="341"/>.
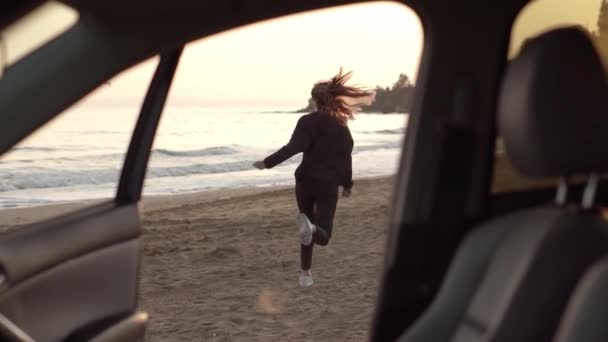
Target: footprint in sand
<point x="221" y="253"/>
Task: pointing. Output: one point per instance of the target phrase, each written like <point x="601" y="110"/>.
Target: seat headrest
<point x="553" y="106"/>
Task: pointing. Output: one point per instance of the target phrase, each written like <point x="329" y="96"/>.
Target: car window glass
<point x="221" y="255"/>
<point x="76" y="159"/>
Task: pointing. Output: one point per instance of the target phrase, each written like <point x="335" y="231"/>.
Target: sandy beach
<point x="223" y="266"/>
<point x="227" y="269"/>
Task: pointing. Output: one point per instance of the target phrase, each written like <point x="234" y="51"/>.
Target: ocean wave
<point x="385" y="131"/>
<point x="392" y="131"/>
<point x="50" y="177"/>
<point x="6" y="203"/>
<point x="34" y="149"/>
<point x="55" y="178"/>
<point x="376" y="147"/>
<point x="70" y="148"/>
<point x="101" y="132"/>
<point x="209" y="151"/>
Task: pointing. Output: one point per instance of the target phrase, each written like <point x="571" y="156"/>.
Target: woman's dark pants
<point x="318" y="200"/>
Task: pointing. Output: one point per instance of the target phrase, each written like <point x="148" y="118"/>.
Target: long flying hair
<point x="338" y="100"/>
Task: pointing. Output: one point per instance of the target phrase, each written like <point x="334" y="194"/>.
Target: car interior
<point x="462" y="263"/>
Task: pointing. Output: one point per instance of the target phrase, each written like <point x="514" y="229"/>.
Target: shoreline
<point x="505" y="179"/>
<point x="151" y="203"/>
<point x="224" y="265"/>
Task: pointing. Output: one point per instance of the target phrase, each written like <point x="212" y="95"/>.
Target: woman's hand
<point x="259" y="165"/>
<point x="346" y="193"/>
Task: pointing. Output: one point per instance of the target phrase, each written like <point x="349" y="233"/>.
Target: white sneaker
<point x="305" y="229"/>
<point x="306" y="279"/>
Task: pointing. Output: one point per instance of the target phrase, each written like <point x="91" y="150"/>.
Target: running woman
<point x="325" y="139"/>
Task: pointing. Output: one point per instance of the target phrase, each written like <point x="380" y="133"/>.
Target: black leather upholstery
<point x="465" y="273"/>
<point x="585" y="318"/>
<point x="553" y="106"/>
<point x="512" y="277"/>
<point x="531" y="276"/>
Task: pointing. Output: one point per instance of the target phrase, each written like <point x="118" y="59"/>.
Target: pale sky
<point x="543" y="15"/>
<point x="276" y="62"/>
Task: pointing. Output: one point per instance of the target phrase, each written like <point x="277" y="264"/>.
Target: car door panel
<point x="29" y="250"/>
<point x="75" y="277"/>
<point x="65" y="275"/>
<point x="79" y="297"/>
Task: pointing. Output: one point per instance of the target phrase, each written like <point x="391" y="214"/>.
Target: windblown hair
<point x="338" y="100"/>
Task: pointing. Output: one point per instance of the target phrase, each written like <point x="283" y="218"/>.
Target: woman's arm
<point x="299" y="142"/>
<point x="348" y="179"/>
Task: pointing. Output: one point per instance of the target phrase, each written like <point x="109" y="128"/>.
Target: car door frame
<point x="83" y="248"/>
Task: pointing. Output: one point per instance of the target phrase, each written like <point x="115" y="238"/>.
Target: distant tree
<point x="602" y="20"/>
<point x="402" y="82"/>
<point x="601" y="34"/>
<point x="395" y="99"/>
